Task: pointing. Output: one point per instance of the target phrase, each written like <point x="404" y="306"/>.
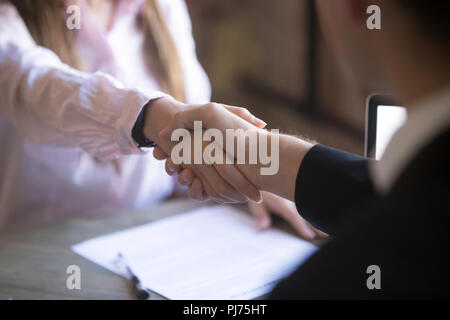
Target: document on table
<point x="207" y="253"/>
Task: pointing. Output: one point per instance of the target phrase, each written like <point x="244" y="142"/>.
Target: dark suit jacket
<point x="406" y="233"/>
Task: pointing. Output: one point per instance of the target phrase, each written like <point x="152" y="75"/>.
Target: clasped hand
<point x="228" y="181"/>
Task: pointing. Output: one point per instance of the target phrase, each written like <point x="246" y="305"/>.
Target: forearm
<point x="158" y="114"/>
<point x="291" y="154"/>
<point x="324" y="182"/>
<point x="51" y="103"/>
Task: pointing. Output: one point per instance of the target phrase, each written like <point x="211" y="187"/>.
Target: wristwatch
<point x="138" y="131"/>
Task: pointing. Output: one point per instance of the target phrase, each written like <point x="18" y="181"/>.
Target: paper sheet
<point x="208" y="253"/>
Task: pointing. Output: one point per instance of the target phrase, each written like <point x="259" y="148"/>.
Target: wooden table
<point x="33" y="261"/>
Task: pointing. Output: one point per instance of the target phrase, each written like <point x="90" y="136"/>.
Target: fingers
<point x="210" y="192"/>
<point x="212" y="115"/>
<point x="186" y="177"/>
<point x="159" y="154"/>
<point x="287" y="210"/>
<point x="239" y="182"/>
<point x="195" y="190"/>
<point x="227" y="183"/>
<point x="246" y="115"/>
<point x="303" y="228"/>
<point x="172" y="168"/>
<point x="261" y="214"/>
<point x="319" y="234"/>
<point x="216" y="187"/>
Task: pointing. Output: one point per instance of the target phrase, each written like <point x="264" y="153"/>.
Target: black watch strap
<point x="138" y="131"/>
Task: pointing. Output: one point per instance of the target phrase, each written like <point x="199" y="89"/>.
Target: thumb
<point x="246" y="115"/>
<point x="211" y="115"/>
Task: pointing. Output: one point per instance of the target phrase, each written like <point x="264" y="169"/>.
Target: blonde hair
<point x="45" y="22"/>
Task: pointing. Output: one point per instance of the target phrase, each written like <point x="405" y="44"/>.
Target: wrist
<point x="157" y="116"/>
<point x="291" y="152"/>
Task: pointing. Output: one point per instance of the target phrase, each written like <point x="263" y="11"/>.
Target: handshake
<point x="223" y="153"/>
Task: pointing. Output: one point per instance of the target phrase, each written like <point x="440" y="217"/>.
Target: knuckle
<point x="213" y="106"/>
<point x="172" y="165"/>
<point x="168" y="170"/>
<point x="192" y="193"/>
<point x="181" y="180"/>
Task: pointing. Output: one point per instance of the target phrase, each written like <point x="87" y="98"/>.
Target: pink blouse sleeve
<point x="52" y="103"/>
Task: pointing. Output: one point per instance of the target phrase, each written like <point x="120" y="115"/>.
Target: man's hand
<point x="273" y="204"/>
<point x="213" y="116"/>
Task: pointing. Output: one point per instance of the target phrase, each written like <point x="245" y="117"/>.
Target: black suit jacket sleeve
<point x="330" y="183"/>
<point x="404" y="233"/>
